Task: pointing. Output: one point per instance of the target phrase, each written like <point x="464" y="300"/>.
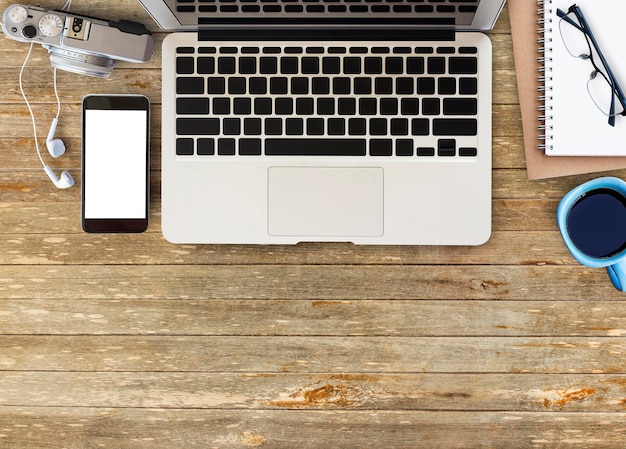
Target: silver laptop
<point x="364" y="121"/>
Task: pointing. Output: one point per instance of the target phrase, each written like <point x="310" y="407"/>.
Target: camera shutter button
<point x="29" y="31"/>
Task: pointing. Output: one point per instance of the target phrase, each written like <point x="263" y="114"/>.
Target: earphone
<point x="56" y="147"/>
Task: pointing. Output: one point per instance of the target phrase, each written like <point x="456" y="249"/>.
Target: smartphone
<point x="115" y="163"/>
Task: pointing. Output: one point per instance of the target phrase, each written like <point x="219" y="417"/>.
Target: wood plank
<point x="63" y="217"/>
<point x="232" y="317"/>
<point x="381" y="392"/>
<point x="334" y="355"/>
<point x="314" y="282"/>
<point x="154" y="429"/>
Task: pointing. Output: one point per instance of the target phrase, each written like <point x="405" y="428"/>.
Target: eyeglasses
<point x="602" y="85"/>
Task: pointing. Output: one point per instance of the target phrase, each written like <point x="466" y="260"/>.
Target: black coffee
<point x="596" y="223"/>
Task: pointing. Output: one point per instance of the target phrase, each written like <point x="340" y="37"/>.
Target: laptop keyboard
<point x="327" y="6"/>
<point x="324" y="100"/>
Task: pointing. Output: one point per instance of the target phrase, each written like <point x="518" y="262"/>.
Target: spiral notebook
<point x="571" y="124"/>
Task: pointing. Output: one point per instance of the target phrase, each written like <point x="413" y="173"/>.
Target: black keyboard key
<point x="304" y="106"/>
<point x="381" y="147"/>
<point x="226" y="147"/>
<point x="436" y="65"/>
<point x="460" y="106"/>
<point x="278" y="85"/>
<point x="330" y="65"/>
<point x="199" y="126"/>
<point x="184" y="147"/>
<point x="242" y="106"/>
<point x="221" y="106"/>
<point x="192" y="106"/>
<point x="294" y="126"/>
<point x="404" y="147"/>
<point x="446" y="86"/>
<point x="378" y="127"/>
<point x="206" y="147"/>
<point x="252" y="126"/>
<point x="341" y="86"/>
<point x="226" y="65"/>
<point x="273" y="126"/>
<point x="455" y="127"/>
<point x="300" y="86"/>
<point x="425" y="151"/>
<point x="320" y="85"/>
<point x="262" y="106"/>
<point x="383" y="86"/>
<point x="362" y="86"/>
<point x="237" y="85"/>
<point x="373" y="65"/>
<point x="217" y="86"/>
<point x="431" y="106"/>
<point x="405" y="86"/>
<point x="346" y="106"/>
<point x="389" y="106"/>
<point x="352" y="66"/>
<point x="368" y="106"/>
<point x="336" y="127"/>
<point x="189" y="85"/>
<point x="357" y="127"/>
<point x="420" y="127"/>
<point x="325" y="106"/>
<point x="231" y="126"/>
<point x="468" y="152"/>
<point x="185" y="65"/>
<point x="426" y="86"/>
<point x="315" y="126"/>
<point x="250" y="147"/>
<point x="288" y="65"/>
<point x="206" y="65"/>
<point x="247" y="65"/>
<point x="446" y="147"/>
<point x="268" y="65"/>
<point x="410" y="106"/>
<point x="468" y="86"/>
<point x="394" y="66"/>
<point x="399" y="127"/>
<point x="283" y="106"/>
<point x="463" y="65"/>
<point x="310" y="65"/>
<point x="415" y="65"/>
<point x="315" y="147"/>
<point x="258" y="85"/>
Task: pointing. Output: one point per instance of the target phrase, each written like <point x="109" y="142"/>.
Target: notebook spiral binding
<point x="544" y="48"/>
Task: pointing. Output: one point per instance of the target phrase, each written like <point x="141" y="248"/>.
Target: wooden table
<point x="121" y="341"/>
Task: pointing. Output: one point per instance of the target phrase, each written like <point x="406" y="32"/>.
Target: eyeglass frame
<point x="584" y="28"/>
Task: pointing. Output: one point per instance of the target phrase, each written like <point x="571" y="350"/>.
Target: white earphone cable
<point x="30" y="109"/>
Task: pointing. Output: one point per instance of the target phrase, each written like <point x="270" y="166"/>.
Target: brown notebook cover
<point x="523" y="16"/>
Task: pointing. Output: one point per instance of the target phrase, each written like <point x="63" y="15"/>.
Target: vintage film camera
<point x="76" y="43"/>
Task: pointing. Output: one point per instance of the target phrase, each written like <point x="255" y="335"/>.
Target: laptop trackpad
<point x="325" y="201"/>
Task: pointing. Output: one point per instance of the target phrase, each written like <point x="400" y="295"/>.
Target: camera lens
<point x="29" y="31"/>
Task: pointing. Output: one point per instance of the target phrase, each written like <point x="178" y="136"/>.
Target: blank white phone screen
<point x="115" y="163"/>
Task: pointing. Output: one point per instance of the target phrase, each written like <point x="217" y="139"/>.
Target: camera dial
<point x="50" y="25"/>
<point x="18" y="14"/>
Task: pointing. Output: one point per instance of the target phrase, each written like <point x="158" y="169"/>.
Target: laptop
<point x="363" y="121"/>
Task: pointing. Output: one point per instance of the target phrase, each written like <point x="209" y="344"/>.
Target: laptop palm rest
<point x="326" y="201"/>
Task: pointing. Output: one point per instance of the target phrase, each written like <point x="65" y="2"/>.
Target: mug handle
<point x="617" y="273"/>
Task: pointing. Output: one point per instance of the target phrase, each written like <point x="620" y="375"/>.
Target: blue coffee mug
<point x="592" y="221"/>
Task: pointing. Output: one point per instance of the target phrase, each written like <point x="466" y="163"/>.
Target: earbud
<point x="63" y="182"/>
<point x="56" y="147"/>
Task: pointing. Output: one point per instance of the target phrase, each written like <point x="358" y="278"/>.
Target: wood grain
<point x="132" y="342"/>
